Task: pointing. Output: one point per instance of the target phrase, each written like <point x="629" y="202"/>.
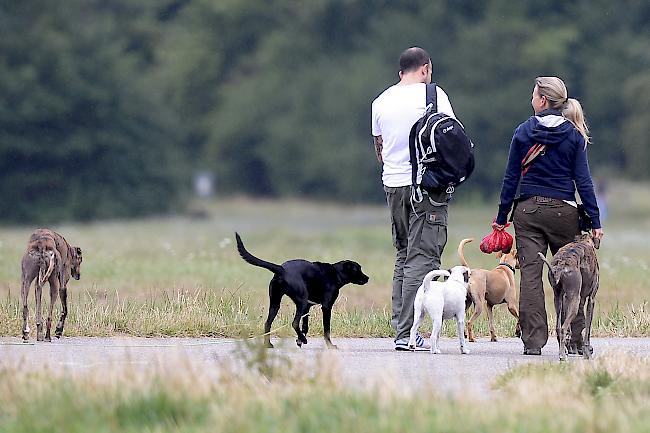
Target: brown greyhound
<point x="574" y="276"/>
<point x="496" y="286"/>
<point x="49" y="258"/>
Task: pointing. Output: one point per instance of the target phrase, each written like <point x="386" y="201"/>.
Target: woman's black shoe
<point x="532" y="351"/>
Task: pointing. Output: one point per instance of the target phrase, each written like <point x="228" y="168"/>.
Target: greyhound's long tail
<point x="431" y="275"/>
<point x="460" y="251"/>
<point x="248" y="257"/>
<point x="44" y="274"/>
<point x="550" y="269"/>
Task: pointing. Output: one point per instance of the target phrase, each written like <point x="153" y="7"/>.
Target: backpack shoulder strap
<point x="416" y="192"/>
<point x="432" y="96"/>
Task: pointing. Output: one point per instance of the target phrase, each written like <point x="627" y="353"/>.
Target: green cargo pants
<point x="419" y="236"/>
<point x="541" y="223"/>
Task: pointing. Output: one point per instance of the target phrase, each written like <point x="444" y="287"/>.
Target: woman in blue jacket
<point x="547" y="163"/>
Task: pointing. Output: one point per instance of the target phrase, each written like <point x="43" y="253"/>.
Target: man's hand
<point x="379" y="145"/>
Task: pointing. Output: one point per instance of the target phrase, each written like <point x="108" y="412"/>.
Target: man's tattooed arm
<point x="379" y="144"/>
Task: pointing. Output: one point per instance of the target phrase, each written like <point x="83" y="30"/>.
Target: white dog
<point x="442" y="300"/>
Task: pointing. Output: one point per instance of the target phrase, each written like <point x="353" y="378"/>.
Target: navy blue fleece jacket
<point x="556" y="172"/>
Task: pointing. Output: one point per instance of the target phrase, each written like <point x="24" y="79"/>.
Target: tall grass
<point x="608" y="394"/>
<point x="212" y="314"/>
<point x="183" y="277"/>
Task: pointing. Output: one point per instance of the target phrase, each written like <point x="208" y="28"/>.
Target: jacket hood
<point x="550" y="128"/>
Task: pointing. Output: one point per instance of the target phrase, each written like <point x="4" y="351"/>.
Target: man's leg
<point x="531" y="240"/>
<point x="398" y="204"/>
<point x="426" y="240"/>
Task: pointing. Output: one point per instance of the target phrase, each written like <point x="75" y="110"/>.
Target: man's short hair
<point x="412" y="58"/>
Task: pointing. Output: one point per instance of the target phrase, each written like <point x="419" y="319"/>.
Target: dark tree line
<point x="107" y="108"/>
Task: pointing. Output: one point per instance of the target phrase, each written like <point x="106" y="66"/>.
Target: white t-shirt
<point x="393" y="114"/>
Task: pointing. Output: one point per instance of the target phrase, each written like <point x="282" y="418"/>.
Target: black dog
<point x="306" y="283"/>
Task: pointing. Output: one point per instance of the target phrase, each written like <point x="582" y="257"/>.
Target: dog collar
<point x="508" y="266"/>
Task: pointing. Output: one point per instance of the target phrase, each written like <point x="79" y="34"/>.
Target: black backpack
<point x="442" y="156"/>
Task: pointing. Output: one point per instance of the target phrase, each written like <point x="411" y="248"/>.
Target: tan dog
<point x="492" y="287"/>
<point x="49" y="258"/>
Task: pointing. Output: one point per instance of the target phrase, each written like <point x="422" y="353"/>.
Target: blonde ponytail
<point x="572" y="111"/>
<point x="555" y="91"/>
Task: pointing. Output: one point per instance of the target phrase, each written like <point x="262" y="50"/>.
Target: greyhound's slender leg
<point x="570" y="303"/>
<point x="63" y="294"/>
<point x="28" y="277"/>
<point x="493" y="334"/>
<point x="275" y="295"/>
<point x="559" y="329"/>
<point x="39" y="316"/>
<point x="54" y="291"/>
<point x="586" y="341"/>
<point x="557" y="301"/>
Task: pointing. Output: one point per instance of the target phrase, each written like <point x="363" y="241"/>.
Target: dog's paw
<point x="269" y="345"/>
<point x="332" y="346"/>
<point x="464" y="351"/>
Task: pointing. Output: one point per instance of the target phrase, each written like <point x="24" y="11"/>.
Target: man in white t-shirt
<point x="419" y="229"/>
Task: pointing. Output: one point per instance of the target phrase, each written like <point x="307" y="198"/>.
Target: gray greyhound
<point x="573" y="274"/>
<point x="48" y="258"/>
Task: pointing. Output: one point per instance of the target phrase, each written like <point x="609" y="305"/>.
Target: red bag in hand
<point x="506" y="244"/>
<point x="498" y="240"/>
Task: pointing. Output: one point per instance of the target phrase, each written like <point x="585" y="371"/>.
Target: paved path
<point x="361" y="362"/>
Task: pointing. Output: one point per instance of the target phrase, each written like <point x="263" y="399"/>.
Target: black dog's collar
<point x="508" y="266"/>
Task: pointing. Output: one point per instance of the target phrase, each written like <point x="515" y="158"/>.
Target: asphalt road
<point x="360" y="362"/>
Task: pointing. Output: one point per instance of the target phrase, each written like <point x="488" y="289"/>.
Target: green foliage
<point x="83" y="133"/>
<point x="106" y="108"/>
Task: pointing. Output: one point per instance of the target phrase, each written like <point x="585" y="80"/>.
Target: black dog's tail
<point x="276" y="269"/>
<point x="550" y="270"/>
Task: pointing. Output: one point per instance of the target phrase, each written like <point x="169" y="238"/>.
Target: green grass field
<point x="182" y="277"/>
